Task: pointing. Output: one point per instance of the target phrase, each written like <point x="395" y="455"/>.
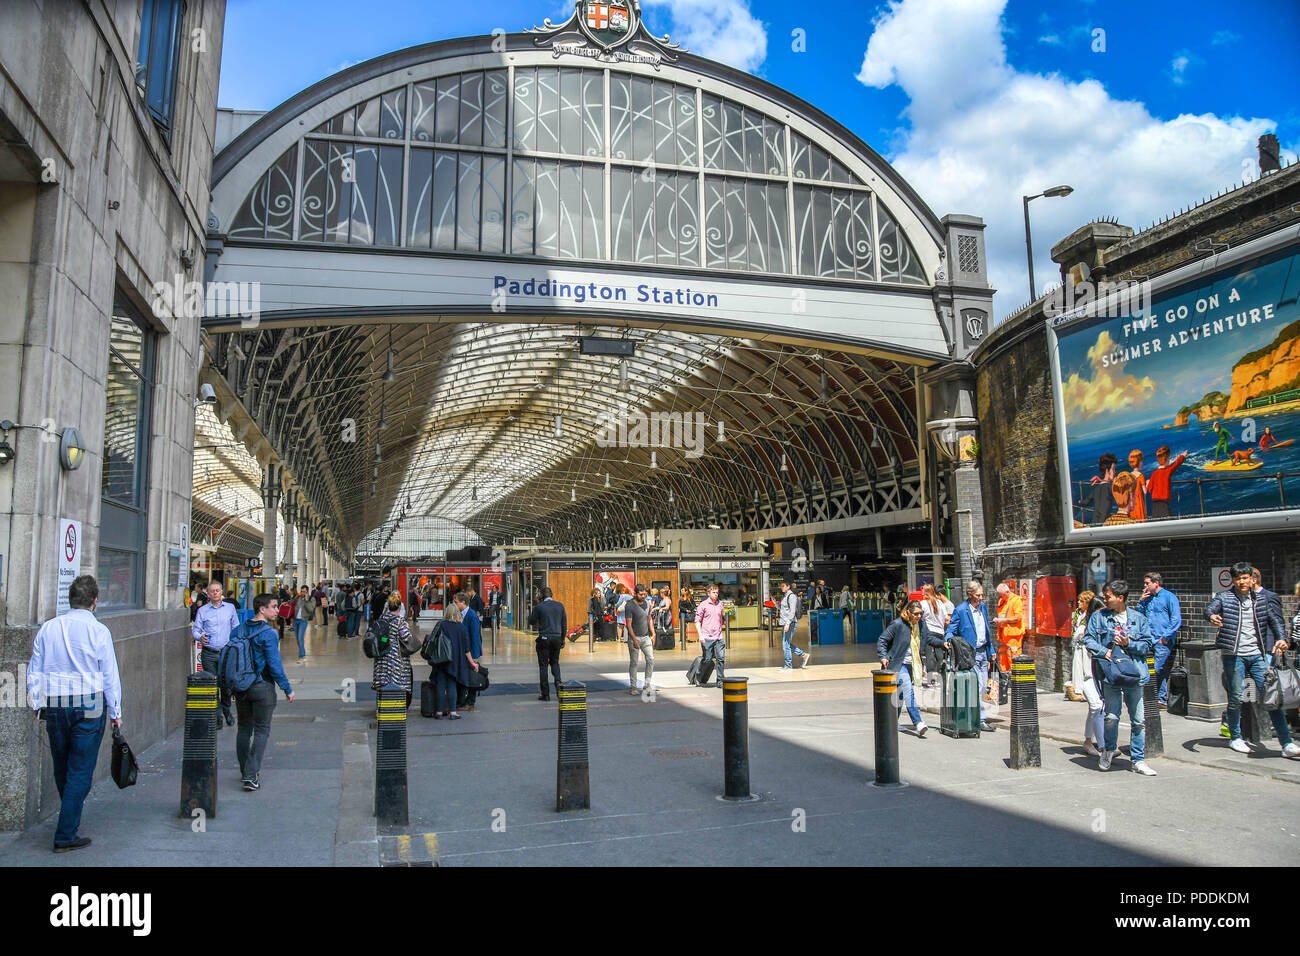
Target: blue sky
<point x="976" y="102"/>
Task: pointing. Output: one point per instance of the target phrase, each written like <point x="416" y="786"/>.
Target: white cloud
<point x="1178" y="66"/>
<point x="983" y="134"/>
<point x="722" y="30"/>
<point x="1222" y="37"/>
<point x="1051" y="39"/>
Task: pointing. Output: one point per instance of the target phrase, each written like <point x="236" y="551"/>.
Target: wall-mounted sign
<point x="1179" y="413"/>
<point x="69" y="560"/>
<point x="175" y="568"/>
<point x="1220" y="579"/>
<point x="686" y="565"/>
<point x="657" y="565"/>
<point x="608" y="30"/>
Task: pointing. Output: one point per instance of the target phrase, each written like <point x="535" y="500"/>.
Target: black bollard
<point x="735" y="739"/>
<point x="199" y="751"/>
<point x="1155" y="734"/>
<point x="1025" y="749"/>
<point x="572" y="771"/>
<point x="884" y="686"/>
<point x="390" y="757"/>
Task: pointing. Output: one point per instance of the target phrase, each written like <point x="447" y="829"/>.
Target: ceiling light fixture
<point x="606" y="479"/>
<point x="389" y="374"/>
<point x="670" y="496"/>
<point x="559" y="426"/>
<point x="623" y="384"/>
<point x="573" y="493"/>
<point x="653" y="461"/>
<point x="784" y="466"/>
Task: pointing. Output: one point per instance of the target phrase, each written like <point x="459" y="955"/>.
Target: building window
<point x="124" y="483"/>
<point x="158" y="58"/>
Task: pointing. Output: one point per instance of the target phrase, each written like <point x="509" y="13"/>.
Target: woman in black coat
<point x="453" y="675"/>
<point x="596" y="611"/>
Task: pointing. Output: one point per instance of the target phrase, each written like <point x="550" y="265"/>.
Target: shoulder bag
<point x="124" y="768"/>
<point x="1281" y="685"/>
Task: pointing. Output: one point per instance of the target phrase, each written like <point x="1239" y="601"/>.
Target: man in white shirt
<point x="72" y="682"/>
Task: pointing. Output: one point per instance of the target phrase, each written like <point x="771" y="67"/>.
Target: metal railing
<point x="1083" y="510"/>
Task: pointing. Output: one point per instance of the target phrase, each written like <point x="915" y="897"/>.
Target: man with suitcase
<point x="970" y="623"/>
<point x="713" y="645"/>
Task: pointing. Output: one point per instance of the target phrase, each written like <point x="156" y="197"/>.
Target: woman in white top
<point x="936" y="611"/>
<point x="1081" y="673"/>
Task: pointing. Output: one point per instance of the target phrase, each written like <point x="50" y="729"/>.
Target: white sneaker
<point x="1104" y="758"/>
<point x="807" y="658"/>
<point x="921" y="729"/>
<point x="1291" y="750"/>
<point x="1142" y="768"/>
<point x="1239" y="745"/>
<point x="1091" y="749"/>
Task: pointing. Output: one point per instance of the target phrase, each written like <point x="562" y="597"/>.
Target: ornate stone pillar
<point x="272" y="475"/>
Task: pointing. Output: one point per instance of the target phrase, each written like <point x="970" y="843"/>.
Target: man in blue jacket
<point x="256" y="705"/>
<point x="1164" y="616"/>
<point x="1116" y="631"/>
<point x="970" y="622"/>
<point x="1250" y="630"/>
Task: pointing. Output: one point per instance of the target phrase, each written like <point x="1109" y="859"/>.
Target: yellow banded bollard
<point x="572" y="770"/>
<point x="735" y="739"/>
<point x="1155" y="734"/>
<point x="884" y="693"/>
<point x="1026" y="751"/>
<point x="390" y="757"/>
<point x="199" y="751"/>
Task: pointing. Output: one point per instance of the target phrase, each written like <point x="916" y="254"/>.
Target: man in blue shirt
<point x="970" y="622"/>
<point x="256" y="705"/>
<point x="211" y="631"/>
<point x="474" y="626"/>
<point x="1164" y="616"/>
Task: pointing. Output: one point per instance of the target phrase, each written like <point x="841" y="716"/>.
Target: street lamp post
<point x="1054" y="192"/>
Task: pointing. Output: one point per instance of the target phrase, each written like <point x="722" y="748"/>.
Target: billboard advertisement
<point x="1183" y="415"/>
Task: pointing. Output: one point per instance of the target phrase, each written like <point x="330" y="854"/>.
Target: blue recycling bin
<point x="830" y="626"/>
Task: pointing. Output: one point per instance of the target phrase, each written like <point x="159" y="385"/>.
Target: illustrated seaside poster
<point x="1185" y="407"/>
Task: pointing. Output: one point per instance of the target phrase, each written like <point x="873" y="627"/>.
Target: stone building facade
<point x="1018" y="438"/>
<point x="108" y="112"/>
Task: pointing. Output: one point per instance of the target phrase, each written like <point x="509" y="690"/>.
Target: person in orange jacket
<point x="1011" y="625"/>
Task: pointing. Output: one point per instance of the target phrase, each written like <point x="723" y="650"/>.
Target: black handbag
<point x="478" y="679"/>
<point x="1177" y="697"/>
<point x="123" y="766"/>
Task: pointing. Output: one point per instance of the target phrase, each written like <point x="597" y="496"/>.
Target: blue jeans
<point x="1164" y="655"/>
<point x="75" y="735"/>
<point x="1235" y="669"/>
<point x="907" y="694"/>
<point x="787" y="643"/>
<point x="354" y="623"/>
<point x="300" y="630"/>
<point x="1131" y="696"/>
<point x="982" y="669"/>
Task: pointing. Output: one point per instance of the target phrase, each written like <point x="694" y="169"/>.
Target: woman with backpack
<point x="685" y="611"/>
<point x="1082" y="679"/>
<point x="450" y="676"/>
<point x="393" y="666"/>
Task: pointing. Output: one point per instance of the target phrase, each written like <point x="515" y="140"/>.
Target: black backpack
<point x="962" y="655"/>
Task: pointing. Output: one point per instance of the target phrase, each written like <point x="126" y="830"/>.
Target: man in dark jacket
<point x="895" y="648"/>
<point x="256" y="705"/>
<point x="1249" y="631"/>
<point x="552" y="623"/>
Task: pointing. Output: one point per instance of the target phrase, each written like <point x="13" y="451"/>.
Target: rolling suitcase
<point x="700" y="672"/>
<point x="427" y="703"/>
<point x="342" y="627"/>
<point x="665" y="637"/>
<point x="959" y="713"/>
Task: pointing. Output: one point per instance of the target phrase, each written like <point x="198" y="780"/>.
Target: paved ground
<point x="482" y="789"/>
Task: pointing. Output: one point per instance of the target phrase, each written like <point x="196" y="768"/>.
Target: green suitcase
<point x="959" y="714"/>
